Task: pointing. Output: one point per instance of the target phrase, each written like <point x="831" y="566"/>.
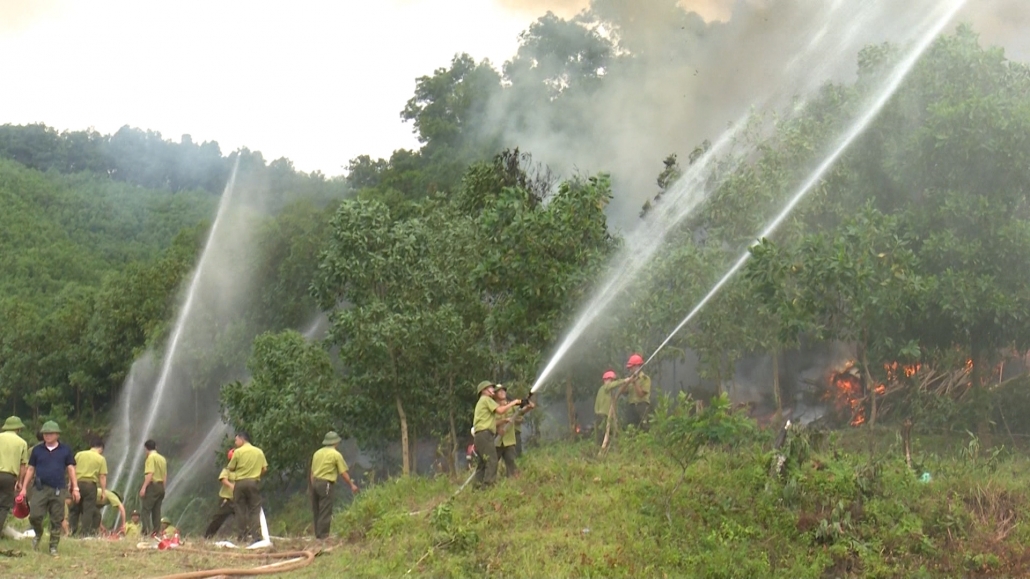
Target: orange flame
<point x="848" y="395"/>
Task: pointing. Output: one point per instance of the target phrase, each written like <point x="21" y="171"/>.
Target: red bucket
<point x="21" y="507"/>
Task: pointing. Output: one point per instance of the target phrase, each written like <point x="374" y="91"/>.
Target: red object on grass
<point x="21" y="507"/>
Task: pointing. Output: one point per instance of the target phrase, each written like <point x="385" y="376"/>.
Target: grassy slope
<point x="573" y="515"/>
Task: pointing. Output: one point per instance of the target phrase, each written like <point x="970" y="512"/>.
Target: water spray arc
<point x="156" y="398"/>
<point x="901" y="71"/>
<point x="691" y="187"/>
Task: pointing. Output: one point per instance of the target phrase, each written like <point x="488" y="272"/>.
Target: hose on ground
<point x="293" y="560"/>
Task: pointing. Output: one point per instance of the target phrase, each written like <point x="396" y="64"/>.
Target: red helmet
<point x="635" y="360"/>
<point x="21" y="507"/>
<point x="231" y="451"/>
<point x="609" y="375"/>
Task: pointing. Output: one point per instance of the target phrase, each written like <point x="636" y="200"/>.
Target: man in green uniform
<point x="14" y="456"/>
<point x="505" y="439"/>
<point x="52" y="470"/>
<point x="327" y="465"/>
<point x="132" y="528"/>
<point x="484" y="429"/>
<point x="638" y="392"/>
<point x="91" y="467"/>
<point x="114" y="500"/>
<point x="168" y="530"/>
<point x="247" y="465"/>
<point x="603" y="403"/>
<point x="225" y="505"/>
<point x="152" y="493"/>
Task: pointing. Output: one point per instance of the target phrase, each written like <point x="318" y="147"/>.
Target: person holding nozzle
<point x="247" y="466"/>
<point x="14" y="458"/>
<point x="152" y="493"/>
<point x="226" y="507"/>
<point x="51" y="468"/>
<point x="506" y="441"/>
<point x="484" y="430"/>
<point x="638" y="391"/>
<point x="91" y="468"/>
<point x="603" y="403"/>
<point x="327" y="465"/>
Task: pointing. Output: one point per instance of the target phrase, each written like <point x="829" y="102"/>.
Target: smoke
<point x="1002" y="23"/>
<point x="684" y="75"/>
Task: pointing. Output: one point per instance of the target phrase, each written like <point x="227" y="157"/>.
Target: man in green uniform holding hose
<point x="638" y="392"/>
<point x="484" y="429"/>
<point x="603" y="404"/>
<point x="14" y="457"/>
<point x="247" y="466"/>
<point x="226" y="507"/>
<point x="327" y="465"/>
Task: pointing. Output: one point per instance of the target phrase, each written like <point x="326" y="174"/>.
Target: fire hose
<point x="293" y="560"/>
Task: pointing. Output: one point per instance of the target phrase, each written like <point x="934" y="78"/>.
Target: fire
<point x="969" y="364"/>
<point x="895" y="370"/>
<point x="848" y="395"/>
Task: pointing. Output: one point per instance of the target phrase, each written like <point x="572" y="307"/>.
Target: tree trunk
<point x="570" y="403"/>
<point x="867" y="384"/>
<point x="405" y="448"/>
<point x="776" y="380"/>
<point x="451" y="460"/>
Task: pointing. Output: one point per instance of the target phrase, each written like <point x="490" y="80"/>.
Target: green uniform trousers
<point x="47" y="500"/>
<point x="150" y="508"/>
<point x="486" y="470"/>
<point x="638" y="412"/>
<point x="600" y="425"/>
<point x="507" y="454"/>
<point x="518" y="443"/>
<point x="84" y="512"/>
<point x="7" y="482"/>
<point x="226" y="508"/>
<point x="322" y="495"/>
<point x="247" y="499"/>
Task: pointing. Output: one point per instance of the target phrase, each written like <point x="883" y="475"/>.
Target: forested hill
<point x="58" y="231"/>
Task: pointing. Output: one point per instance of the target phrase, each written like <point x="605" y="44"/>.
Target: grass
<point x="835" y="510"/>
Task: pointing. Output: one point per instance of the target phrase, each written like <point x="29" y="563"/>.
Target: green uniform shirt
<point x="131" y="530"/>
<point x="327" y="464"/>
<point x="644" y="381"/>
<point x="508" y="438"/>
<point x="89" y="465"/>
<point x="14" y="452"/>
<point x="484" y="417"/>
<point x="603" y="402"/>
<point x="225" y="492"/>
<point x="169" y="531"/>
<point x="156" y="465"/>
<point x="247" y="462"/>
<point x="112" y="500"/>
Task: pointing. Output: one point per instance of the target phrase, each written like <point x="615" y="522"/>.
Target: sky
<point x="317" y="82"/>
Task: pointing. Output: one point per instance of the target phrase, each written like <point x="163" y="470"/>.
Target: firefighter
<point x="226" y="507"/>
<point x="132" y="528"/>
<point x="247" y="465"/>
<point x="638" y="390"/>
<point x="603" y="403"/>
<point x="91" y="467"/>
<point x="152" y="493"/>
<point x="327" y="465"/>
<point x="14" y="457"/>
<point x="110" y="499"/>
<point x="168" y="530"/>
<point x="484" y="429"/>
<point x="504" y="442"/>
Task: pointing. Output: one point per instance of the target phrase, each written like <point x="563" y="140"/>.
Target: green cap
<point x="50" y="427"/>
<point x="13" y="423"/>
<point x="166" y="520"/>
<point x="483" y="386"/>
<point x="331" y="438"/>
<point x="500" y="387"/>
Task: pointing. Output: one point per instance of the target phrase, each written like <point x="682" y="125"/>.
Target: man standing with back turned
<point x="91" y="468"/>
<point x="327" y="465"/>
<point x="14" y="455"/>
<point x="49" y="462"/>
<point x="247" y="465"/>
<point x="152" y="493"/>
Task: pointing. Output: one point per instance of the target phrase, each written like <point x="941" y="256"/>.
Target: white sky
<point x="317" y="82"/>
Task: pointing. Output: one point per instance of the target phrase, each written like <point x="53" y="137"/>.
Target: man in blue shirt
<point x="48" y="464"/>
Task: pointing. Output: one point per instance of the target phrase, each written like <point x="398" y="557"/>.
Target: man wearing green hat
<point x="327" y="465"/>
<point x="14" y="455"/>
<point x="484" y="429"/>
<point x="49" y="463"/>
